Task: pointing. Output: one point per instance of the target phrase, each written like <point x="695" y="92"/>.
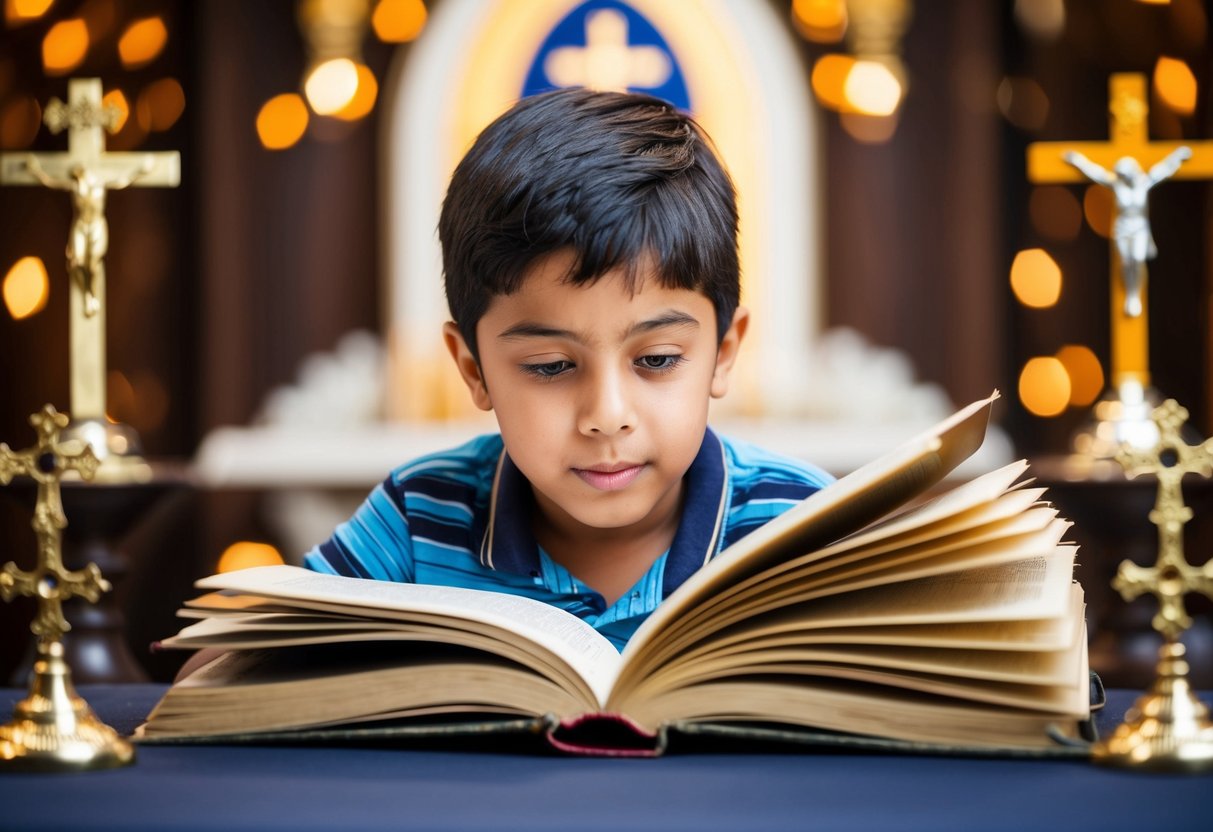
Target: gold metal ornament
<point x="53" y="729"/>
<point x="1168" y="728"/>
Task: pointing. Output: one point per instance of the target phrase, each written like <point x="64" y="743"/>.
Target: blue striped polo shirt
<point x="462" y="518"/>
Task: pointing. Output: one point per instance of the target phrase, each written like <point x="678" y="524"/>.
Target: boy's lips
<point x="610" y="477"/>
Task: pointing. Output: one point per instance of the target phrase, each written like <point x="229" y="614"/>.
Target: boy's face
<point x="601" y="395"/>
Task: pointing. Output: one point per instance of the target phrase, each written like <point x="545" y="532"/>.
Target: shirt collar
<point x="509" y="543"/>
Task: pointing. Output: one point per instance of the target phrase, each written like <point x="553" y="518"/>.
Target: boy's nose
<point x="606" y="409"/>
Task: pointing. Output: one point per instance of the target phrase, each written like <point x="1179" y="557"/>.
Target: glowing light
<point x="1154" y="2"/>
<point x="1023" y="102"/>
<point x="823" y="21"/>
<point x="1175" y="85"/>
<point x="117" y="100"/>
<point x="26" y="288"/>
<point x="1097" y="207"/>
<point x="398" y="21"/>
<point x="1055" y="212"/>
<point x="331" y="85"/>
<point x="1043" y="19"/>
<point x="64" y="47"/>
<point x="245" y="554"/>
<point x="142" y="42"/>
<point x="23" y="11"/>
<point x="1085" y="372"/>
<point x="1036" y="278"/>
<point x="19" y="122"/>
<point x="829" y="78"/>
<point x="364" y="98"/>
<point x="160" y="104"/>
<point x="1044" y="386"/>
<point x="282" y="121"/>
<point x="872" y="89"/>
<point x="868" y="129"/>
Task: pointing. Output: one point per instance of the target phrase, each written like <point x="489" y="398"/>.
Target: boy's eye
<point x="548" y="369"/>
<point x="659" y="362"/>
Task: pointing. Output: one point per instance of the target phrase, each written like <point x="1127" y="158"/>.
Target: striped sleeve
<point x="374" y="543"/>
<point x="421" y="514"/>
<point x="764" y="485"/>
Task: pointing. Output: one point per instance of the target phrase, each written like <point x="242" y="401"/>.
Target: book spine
<point x="605" y="735"/>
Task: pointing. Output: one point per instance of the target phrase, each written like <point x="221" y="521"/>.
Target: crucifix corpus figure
<point x="1130" y="185"/>
<point x="87" y="171"/>
<point x="89" y="240"/>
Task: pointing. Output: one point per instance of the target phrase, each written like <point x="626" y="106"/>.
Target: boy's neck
<point x="610" y="561"/>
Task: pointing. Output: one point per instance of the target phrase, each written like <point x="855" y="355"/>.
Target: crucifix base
<point x="53" y="729"/>
<point x="1167" y="729"/>
<point x="118" y="447"/>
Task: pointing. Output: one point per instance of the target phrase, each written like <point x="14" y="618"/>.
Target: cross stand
<point x="53" y="729"/>
<point x="1168" y="728"/>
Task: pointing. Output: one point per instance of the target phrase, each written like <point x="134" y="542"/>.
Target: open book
<point x="867" y="610"/>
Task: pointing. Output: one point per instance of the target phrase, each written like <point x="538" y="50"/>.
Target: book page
<point x="275" y="630"/>
<point x="837" y="510"/>
<point x="783" y="627"/>
<point x="1037" y="587"/>
<point x="894" y="556"/>
<point x="791" y="655"/>
<point x="252" y="691"/>
<point x="586" y="651"/>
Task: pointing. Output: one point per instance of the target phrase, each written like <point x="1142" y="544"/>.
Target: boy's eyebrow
<point x="672" y="317"/>
<point x="529" y="329"/>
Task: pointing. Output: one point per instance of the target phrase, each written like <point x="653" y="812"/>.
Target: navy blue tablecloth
<point x="350" y="789"/>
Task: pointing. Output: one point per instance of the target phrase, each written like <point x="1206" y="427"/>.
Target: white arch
<point x="749" y="90"/>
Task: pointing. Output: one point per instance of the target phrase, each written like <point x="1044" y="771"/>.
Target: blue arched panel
<point x="571" y="32"/>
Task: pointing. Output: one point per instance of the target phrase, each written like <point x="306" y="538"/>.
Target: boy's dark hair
<point x="613" y="177"/>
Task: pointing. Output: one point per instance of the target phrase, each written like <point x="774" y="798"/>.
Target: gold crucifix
<point x="53" y="729"/>
<point x="50" y="582"/>
<point x="1172" y="577"/>
<point x="1168" y="728"/>
<point x="88" y="172"/>
<point x="1129" y="128"/>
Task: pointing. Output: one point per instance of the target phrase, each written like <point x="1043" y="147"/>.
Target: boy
<point x="589" y="246"/>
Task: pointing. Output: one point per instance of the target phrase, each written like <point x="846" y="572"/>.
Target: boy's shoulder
<point x="751" y="463"/>
<point x="464" y="464"/>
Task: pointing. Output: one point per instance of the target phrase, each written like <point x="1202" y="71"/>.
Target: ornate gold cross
<point x="1129" y="128"/>
<point x="1168" y="727"/>
<point x="1172" y="577"/>
<point x="50" y="582"/>
<point x="87" y="172"/>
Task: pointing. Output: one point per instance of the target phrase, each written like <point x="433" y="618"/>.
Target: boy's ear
<point x="469" y="367"/>
<point x="727" y="352"/>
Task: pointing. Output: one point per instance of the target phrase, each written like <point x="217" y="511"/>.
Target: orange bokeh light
<point x="282" y="121"/>
<point x="142" y="42"/>
<point x="398" y="21"/>
<point x="64" y="47"/>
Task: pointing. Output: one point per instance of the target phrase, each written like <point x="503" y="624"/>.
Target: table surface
<point x="348" y="789"/>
